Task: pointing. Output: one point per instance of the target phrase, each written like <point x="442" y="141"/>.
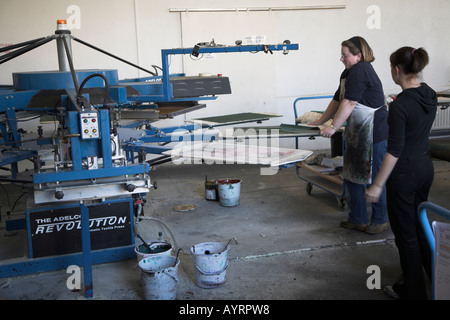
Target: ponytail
<point x="410" y="60"/>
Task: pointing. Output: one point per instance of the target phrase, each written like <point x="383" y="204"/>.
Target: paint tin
<point x="211" y="192"/>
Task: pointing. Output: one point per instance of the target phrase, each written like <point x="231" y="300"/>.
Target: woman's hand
<point x="327" y="132"/>
<point x="373" y="193"/>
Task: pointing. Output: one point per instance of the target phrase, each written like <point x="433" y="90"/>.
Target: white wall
<point x="137" y="30"/>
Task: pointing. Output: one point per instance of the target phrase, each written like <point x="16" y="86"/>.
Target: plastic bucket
<point x="158" y="248"/>
<point x="210" y="262"/>
<point x="229" y="192"/>
<point x="159" y="277"/>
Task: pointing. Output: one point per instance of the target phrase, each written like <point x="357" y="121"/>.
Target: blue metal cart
<point x="423" y="209"/>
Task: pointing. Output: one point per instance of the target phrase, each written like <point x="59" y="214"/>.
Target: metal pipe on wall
<point x="326" y="7"/>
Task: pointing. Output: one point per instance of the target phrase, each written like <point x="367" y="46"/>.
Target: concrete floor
<point x="290" y="245"/>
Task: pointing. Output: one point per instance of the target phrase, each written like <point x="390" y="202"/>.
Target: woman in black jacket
<point x="407" y="169"/>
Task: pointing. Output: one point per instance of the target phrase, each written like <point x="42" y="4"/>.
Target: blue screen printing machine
<point x="97" y="172"/>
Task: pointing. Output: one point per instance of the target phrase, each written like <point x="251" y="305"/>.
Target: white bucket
<point x="210" y="262"/>
<point x="159" y="277"/>
<point x="229" y="192"/>
<point x="158" y="248"/>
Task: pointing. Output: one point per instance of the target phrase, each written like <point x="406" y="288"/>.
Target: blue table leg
<point x="87" y="259"/>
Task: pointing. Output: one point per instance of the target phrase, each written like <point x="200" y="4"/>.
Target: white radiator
<point x="442" y="120"/>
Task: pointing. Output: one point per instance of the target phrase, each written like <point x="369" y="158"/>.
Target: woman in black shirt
<point x="407" y="169"/>
<point x="360" y="88"/>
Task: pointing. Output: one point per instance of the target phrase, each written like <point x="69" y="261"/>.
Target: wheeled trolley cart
<point x="333" y="184"/>
<point x="316" y="175"/>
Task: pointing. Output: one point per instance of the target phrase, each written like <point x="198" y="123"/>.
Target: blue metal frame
<point x="10" y="102"/>
<point x="344" y="188"/>
<point x="86" y="258"/>
<point x="167" y="87"/>
<point x="90" y="174"/>
<point x="308" y="98"/>
<point x="61" y="79"/>
<point x="302" y="99"/>
<point x="27" y="85"/>
<point x="12" y="157"/>
<point x="150" y="89"/>
<point x="159" y="89"/>
<point x="425" y="207"/>
<point x="15" y="267"/>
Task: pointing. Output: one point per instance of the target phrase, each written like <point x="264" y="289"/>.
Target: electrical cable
<point x="22" y="44"/>
<point x="7" y="196"/>
<point x="17" y="200"/>
<point x="156" y="69"/>
<point x="111" y="55"/>
<point x="92" y="76"/>
<point x="8" y="56"/>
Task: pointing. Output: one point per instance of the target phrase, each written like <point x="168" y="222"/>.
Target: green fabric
<point x="284" y="129"/>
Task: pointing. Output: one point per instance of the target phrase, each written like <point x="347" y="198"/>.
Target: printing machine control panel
<point x="89" y="125"/>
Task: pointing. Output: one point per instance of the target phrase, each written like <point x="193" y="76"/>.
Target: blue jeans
<point x="357" y="202"/>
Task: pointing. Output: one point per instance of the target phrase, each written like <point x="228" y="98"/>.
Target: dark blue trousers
<point x="357" y="202"/>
